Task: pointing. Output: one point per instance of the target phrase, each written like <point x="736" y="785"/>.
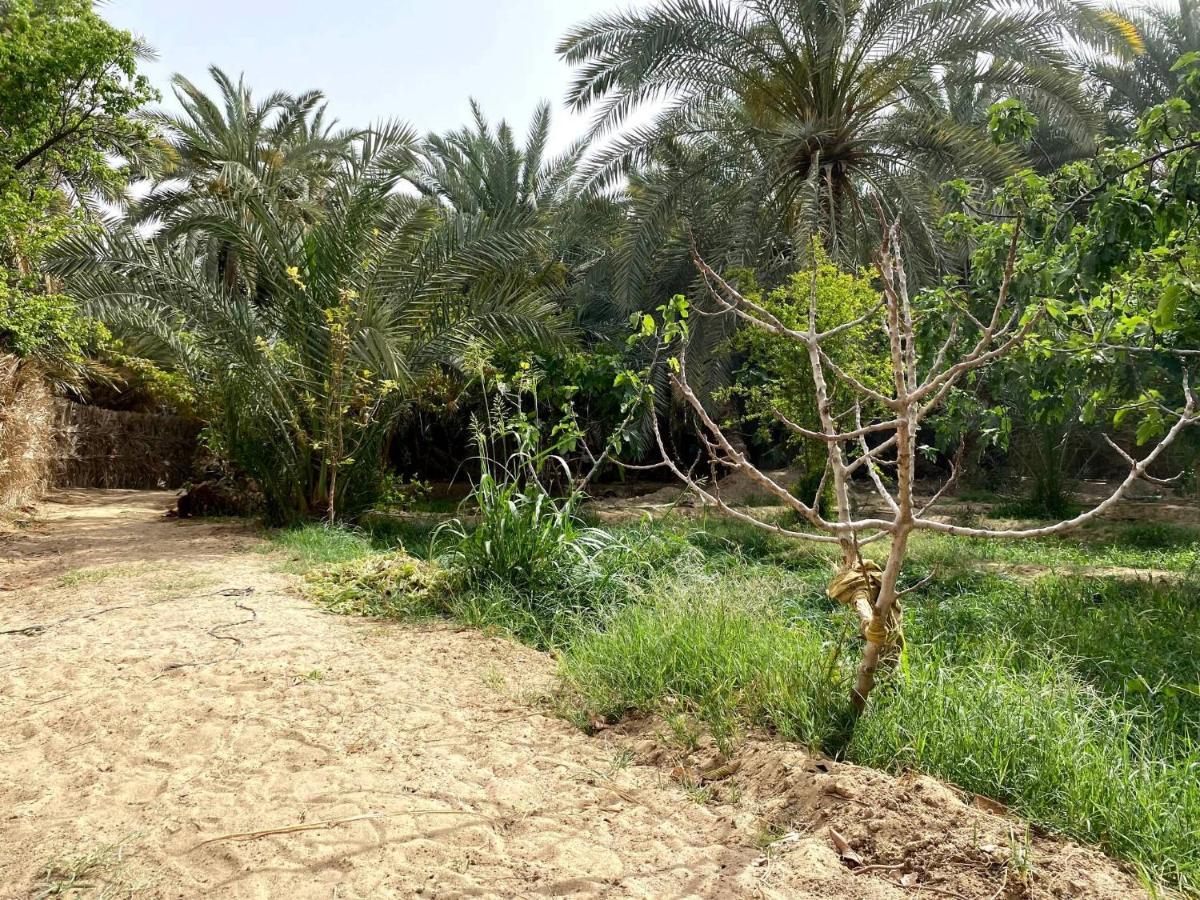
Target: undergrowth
<point x="385" y="585"/>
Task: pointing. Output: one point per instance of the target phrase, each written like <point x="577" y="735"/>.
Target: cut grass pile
<point x="1074" y="700"/>
<point x="381" y="585"/>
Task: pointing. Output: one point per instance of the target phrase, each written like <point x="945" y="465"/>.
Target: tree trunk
<point x="879" y="631"/>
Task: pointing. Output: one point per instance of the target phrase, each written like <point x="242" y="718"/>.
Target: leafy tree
<point x="480" y="171"/>
<point x="68" y="89"/>
<point x="774" y="383"/>
<point x="1108" y="246"/>
<point x="919" y="379"/>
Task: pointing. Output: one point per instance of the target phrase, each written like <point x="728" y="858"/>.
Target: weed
<point x="700" y="794"/>
<point x="1020" y="856"/>
<point x="493" y="678"/>
<point x="96" y="871"/>
<point x="769" y="834"/>
<point x="685" y="732"/>
<point x="621" y="760"/>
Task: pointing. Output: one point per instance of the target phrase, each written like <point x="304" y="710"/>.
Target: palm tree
<point x="838" y="105"/>
<point x="281" y="150"/>
<point x="310" y="355"/>
<point x="284" y="144"/>
<point x="480" y="171"/>
<point x="1163" y="36"/>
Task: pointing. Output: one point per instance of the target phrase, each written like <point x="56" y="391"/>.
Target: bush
<point x="527" y="549"/>
<point x="391" y="585"/>
<point x="526" y="539"/>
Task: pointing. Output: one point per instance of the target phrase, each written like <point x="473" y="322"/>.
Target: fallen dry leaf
<point x="845" y="851"/>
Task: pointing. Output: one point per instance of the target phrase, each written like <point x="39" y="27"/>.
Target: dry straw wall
<point x="107" y="448"/>
<point x="47" y="442"/>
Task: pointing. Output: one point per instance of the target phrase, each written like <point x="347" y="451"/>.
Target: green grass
<point x="306" y="547"/>
<point x="100" y="574"/>
<point x="707" y="648"/>
<point x="1172" y="549"/>
<point x="1161" y="547"/>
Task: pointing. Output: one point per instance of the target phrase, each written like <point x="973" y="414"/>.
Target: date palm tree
<point x="481" y="171"/>
<point x="840" y="105"/>
<point x="284" y="143"/>
<point x="1163" y="35"/>
<point x="310" y="355"/>
<point x="281" y="148"/>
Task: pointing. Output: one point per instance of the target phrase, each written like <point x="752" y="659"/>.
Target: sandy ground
<point x="166" y="698"/>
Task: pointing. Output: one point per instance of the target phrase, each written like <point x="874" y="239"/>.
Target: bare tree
<point x="918" y="388"/>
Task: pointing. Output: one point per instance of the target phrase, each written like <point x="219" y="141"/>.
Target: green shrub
<point x="527" y="548"/>
<point x="527" y="540"/>
<point x="401" y="492"/>
<point x="392" y="585"/>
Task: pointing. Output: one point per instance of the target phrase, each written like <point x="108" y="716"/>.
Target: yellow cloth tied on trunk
<point x="858" y="586"/>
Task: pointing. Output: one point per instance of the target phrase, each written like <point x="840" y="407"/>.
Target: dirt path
<point x="165" y="693"/>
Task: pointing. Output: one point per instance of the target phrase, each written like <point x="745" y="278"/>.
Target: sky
<point x="416" y="60"/>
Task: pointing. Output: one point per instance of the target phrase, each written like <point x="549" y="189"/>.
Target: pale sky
<point x="417" y="60"/>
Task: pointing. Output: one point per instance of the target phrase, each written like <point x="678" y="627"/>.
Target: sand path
<point x="163" y="688"/>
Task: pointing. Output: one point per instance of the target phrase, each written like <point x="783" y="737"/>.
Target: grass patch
<point x="96" y="873"/>
<point x="309" y="546"/>
<point x="306" y="547"/>
<point x="1075" y="701"/>
<point x="727" y="665"/>
<point x="1122" y="545"/>
<point x="99" y="574"/>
